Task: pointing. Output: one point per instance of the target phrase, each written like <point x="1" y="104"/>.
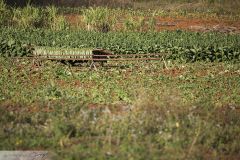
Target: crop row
<point x="181" y="45"/>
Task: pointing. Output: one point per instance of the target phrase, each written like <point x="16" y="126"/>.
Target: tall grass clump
<point x="55" y="21"/>
<point x="4" y="13"/>
<point x="27" y="17"/>
<point x="33" y="17"/>
<point x="152" y="22"/>
<point x="99" y="19"/>
<point x="139" y="24"/>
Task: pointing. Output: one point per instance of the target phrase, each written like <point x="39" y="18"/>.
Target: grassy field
<point x="188" y="111"/>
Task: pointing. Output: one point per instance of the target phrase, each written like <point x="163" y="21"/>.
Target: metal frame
<point x="99" y="58"/>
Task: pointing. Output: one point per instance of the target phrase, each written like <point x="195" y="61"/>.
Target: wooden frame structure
<point x="98" y="56"/>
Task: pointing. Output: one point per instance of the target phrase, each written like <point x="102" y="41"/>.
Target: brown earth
<point x="181" y="23"/>
<point x="198" y="24"/>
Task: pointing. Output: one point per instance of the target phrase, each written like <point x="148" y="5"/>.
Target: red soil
<point x="183" y="23"/>
<point x="197" y="24"/>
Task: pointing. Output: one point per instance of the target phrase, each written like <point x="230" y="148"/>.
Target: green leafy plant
<point x="12" y="48"/>
<point x="177" y="45"/>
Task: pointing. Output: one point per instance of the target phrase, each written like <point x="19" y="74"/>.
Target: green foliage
<point x="12" y="48"/>
<point x="178" y="45"/>
<point x="209" y="54"/>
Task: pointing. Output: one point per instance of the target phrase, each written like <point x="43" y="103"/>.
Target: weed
<point x="4" y="13"/>
<point x="27" y="17"/>
<point x="55" y="21"/>
<point x="100" y="19"/>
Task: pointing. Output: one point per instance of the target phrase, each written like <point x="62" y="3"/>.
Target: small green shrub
<point x="12" y="48"/>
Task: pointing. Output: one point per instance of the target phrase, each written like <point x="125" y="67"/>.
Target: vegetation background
<point x="219" y="6"/>
<point x="170" y="109"/>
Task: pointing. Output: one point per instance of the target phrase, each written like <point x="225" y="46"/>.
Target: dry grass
<point x="228" y="5"/>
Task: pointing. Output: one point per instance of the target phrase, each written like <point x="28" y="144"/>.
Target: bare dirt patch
<point x="179" y="23"/>
<point x="198" y="24"/>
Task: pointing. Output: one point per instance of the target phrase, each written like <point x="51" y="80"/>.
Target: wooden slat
<point x="113" y="55"/>
<point x="99" y="58"/>
<point x="111" y="59"/>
